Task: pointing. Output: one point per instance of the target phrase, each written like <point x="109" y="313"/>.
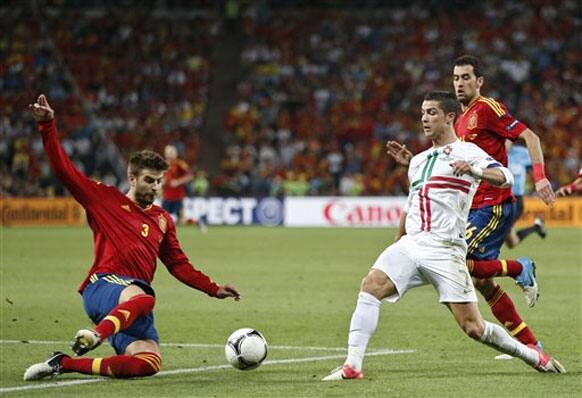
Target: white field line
<point x="188" y="345"/>
<point x="197" y="370"/>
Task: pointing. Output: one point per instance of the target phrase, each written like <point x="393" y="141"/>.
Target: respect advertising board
<point x="234" y="211"/>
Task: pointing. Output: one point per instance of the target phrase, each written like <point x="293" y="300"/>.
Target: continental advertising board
<point x="567" y="212"/>
<point x="40" y="212"/>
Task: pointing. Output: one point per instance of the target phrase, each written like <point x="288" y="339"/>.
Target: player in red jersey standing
<point x="175" y="179"/>
<point x="129" y="234"/>
<point x="488" y="124"/>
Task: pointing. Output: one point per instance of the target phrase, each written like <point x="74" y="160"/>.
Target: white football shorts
<point x="420" y="260"/>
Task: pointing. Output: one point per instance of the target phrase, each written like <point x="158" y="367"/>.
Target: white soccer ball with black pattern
<point x="246" y="349"/>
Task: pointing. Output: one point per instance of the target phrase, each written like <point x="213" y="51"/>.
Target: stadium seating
<point x="321" y="89"/>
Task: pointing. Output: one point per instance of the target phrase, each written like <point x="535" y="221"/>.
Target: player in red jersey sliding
<point x="488" y="124"/>
<point x="129" y="234"/>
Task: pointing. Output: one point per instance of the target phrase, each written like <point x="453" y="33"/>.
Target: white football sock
<point x="362" y="326"/>
<point x="496" y="337"/>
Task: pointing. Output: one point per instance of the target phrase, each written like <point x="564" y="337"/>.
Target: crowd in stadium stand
<point x="321" y="92"/>
<point x="120" y="81"/>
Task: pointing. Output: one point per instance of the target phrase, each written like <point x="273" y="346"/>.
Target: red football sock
<point x="124" y="314"/>
<point x="117" y="366"/>
<point x="484" y="269"/>
<point x="504" y="310"/>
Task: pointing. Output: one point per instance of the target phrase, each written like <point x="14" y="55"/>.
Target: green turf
<point x="299" y="288"/>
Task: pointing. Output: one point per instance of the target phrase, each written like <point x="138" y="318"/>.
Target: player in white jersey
<point x="431" y="247"/>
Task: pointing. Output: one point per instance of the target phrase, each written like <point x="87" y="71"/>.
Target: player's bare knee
<point x="473" y="328"/>
<point x="129" y="292"/>
<point x="485" y="286"/>
<point x="363" y="284"/>
<point x="377" y="284"/>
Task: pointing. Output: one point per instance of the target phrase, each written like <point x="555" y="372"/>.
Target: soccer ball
<point x="245" y="349"/>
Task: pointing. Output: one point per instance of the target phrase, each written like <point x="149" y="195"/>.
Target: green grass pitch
<point x="299" y="288"/>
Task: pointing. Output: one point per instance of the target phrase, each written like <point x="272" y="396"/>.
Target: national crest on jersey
<point x="439" y="202"/>
<point x="472" y="121"/>
<point x="163" y="223"/>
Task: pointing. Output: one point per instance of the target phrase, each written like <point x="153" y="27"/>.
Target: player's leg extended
<point x="375" y="286"/>
<point x="504" y="310"/>
<point x="485" y="234"/>
<point x="141" y="358"/>
<point x="391" y="275"/>
<point x="132" y="303"/>
<point x="487" y="229"/>
<point x="515" y="237"/>
<point x="512" y="239"/>
<point x="538" y="227"/>
<point x="471" y="322"/>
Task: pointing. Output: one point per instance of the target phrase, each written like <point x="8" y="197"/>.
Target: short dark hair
<point x="473" y="61"/>
<point x="146" y="160"/>
<point x="447" y="101"/>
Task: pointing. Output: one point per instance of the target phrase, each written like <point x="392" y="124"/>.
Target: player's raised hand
<point x="399" y="152"/>
<point x="41" y="110"/>
<point x="545" y="191"/>
<point x="227" y="290"/>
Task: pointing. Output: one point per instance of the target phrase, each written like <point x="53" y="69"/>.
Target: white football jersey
<point x="438" y="201"/>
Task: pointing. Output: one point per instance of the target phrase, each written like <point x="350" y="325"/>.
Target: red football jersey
<point x="487" y="124"/>
<point x="128" y="239"/>
<point x="178" y="169"/>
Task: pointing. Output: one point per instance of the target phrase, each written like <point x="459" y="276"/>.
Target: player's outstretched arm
<point x="227" y="290"/>
<point x="399" y="152"/>
<point x="571" y="188"/>
<point x="179" y="266"/>
<point x="80" y="186"/>
<point x="542" y="184"/>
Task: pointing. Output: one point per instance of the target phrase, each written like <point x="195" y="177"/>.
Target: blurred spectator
<point x="200" y="184"/>
<point x="176" y="179"/>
